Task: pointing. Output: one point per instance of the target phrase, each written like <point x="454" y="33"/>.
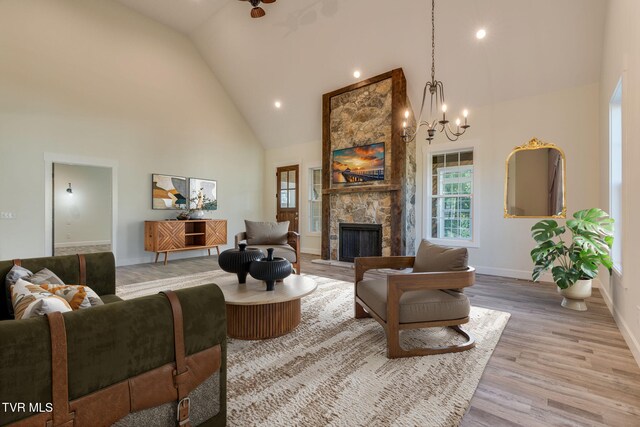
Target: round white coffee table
<point x="253" y="313"/>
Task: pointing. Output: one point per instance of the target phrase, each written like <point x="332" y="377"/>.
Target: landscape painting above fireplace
<point x="358" y="164"/>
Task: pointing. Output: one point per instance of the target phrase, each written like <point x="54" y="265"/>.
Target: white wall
<point x="622" y="60"/>
<point x="570" y="120"/>
<point x="92" y="78"/>
<point x="306" y="156"/>
<point x="84" y="216"/>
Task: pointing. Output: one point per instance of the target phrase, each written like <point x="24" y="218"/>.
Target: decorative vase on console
<point x="196" y="214"/>
<point x="183" y="216"/>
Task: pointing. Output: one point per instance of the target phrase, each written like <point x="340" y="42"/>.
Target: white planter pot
<point x="197" y="214"/>
<point x="574" y="295"/>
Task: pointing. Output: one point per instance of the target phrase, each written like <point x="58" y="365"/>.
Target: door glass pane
<point x="292" y="179"/>
<point x="283" y="199"/>
<point x="283" y="180"/>
<point x="292" y="198"/>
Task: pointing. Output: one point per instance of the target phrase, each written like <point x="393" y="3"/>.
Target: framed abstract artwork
<point x="168" y="192"/>
<point x="203" y="194"/>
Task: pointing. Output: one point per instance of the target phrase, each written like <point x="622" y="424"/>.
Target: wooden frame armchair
<point x="389" y="314"/>
<point x="293" y="240"/>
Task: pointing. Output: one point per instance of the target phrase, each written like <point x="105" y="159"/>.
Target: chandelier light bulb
<point x="444" y="108"/>
<point x="465" y="113"/>
<point x="356" y="74"/>
<point x="482" y="33"/>
<point x="406" y="114"/>
<point x="404" y="124"/>
<point x="277" y="104"/>
<point x="458" y="122"/>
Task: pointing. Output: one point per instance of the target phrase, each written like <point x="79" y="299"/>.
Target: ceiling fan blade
<point x="257" y="12"/>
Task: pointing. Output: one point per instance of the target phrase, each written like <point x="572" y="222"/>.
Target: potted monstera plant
<point x="573" y="263"/>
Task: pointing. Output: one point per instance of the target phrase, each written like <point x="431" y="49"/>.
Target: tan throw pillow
<point x="432" y="258"/>
<point x="78" y="296"/>
<point x="17" y="272"/>
<point x="31" y="300"/>
<point x="44" y="276"/>
<point x="266" y="233"/>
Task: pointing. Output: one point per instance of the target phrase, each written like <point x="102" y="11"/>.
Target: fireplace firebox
<point x="359" y="240"/>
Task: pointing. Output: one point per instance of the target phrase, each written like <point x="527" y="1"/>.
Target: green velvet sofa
<point x="106" y="344"/>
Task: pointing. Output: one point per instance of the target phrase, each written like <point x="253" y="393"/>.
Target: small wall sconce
<point x="70" y="190"/>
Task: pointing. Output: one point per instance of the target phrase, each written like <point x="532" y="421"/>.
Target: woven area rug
<point x="333" y="371"/>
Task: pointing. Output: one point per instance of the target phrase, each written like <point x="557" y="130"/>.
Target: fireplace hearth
<point x="359" y="240"/>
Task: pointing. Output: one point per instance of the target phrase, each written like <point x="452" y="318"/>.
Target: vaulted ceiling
<point x="304" y="48"/>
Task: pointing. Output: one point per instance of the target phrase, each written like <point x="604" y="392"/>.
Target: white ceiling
<point x="304" y="48"/>
<point x="183" y="15"/>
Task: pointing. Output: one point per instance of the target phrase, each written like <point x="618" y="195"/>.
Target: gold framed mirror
<point x="535" y="181"/>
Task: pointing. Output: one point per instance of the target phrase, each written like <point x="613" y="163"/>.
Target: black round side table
<point x="238" y="260"/>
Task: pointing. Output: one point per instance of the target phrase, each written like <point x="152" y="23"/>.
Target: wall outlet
<point x="7" y="215"/>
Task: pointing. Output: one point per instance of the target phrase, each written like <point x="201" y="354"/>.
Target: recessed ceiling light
<point x="481" y="33"/>
<point x="356" y="74"/>
<point x="277" y="104"/>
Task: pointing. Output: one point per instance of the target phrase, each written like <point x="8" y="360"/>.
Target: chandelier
<point x="437" y="105"/>
<point x="257" y="11"/>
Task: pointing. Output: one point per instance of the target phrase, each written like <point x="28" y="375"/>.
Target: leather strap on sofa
<point x="62" y="416"/>
<point x="181" y="373"/>
<point x="82" y="262"/>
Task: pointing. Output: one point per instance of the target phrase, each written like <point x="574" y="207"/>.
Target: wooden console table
<point x="173" y="236"/>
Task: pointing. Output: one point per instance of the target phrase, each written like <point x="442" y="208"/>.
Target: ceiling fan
<point x="257" y="11"/>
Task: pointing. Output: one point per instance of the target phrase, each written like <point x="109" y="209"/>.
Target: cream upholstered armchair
<point x="276" y="235"/>
<point x="420" y="299"/>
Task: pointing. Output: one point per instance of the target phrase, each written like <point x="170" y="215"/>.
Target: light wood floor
<point x="552" y="366"/>
<point x="72" y="250"/>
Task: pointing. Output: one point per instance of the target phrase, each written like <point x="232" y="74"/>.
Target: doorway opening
<point x="81" y="209"/>
<point x="287" y="196"/>
<point x="81" y="204"/>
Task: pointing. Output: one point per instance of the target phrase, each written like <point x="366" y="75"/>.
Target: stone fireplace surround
<point x="369" y="112"/>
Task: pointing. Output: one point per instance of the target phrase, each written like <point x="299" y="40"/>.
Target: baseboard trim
<point x="311" y="251"/>
<point x="632" y="342"/>
<point x="85" y="243"/>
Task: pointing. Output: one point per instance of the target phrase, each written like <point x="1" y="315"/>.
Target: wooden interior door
<point x="288" y="195"/>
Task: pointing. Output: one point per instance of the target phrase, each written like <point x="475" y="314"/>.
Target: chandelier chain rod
<point x="436" y="92"/>
<point x="433" y="40"/>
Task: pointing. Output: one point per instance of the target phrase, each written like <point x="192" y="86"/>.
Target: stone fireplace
<point x="369" y="112"/>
